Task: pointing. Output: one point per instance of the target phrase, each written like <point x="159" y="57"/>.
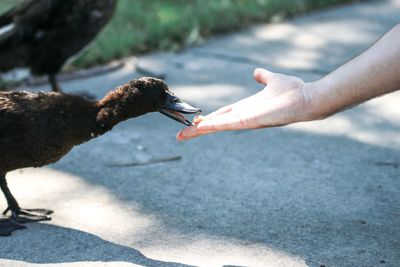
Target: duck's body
<point x="37" y="129"/>
<point x="44" y="34"/>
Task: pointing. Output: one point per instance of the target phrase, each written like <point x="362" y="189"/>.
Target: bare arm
<point x="287" y="99"/>
<point x="373" y="73"/>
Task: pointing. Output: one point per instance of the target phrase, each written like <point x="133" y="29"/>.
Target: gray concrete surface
<point x="324" y="193"/>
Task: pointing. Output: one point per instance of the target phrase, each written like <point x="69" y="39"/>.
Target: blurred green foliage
<point x="6" y="4"/>
<point x="140" y="26"/>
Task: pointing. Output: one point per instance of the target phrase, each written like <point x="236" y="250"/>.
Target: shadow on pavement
<point x="313" y="196"/>
<point x="76" y="246"/>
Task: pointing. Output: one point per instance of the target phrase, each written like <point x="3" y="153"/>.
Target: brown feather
<point x="37" y="129"/>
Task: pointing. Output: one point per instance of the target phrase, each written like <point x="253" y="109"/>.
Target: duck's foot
<point x="29" y="215"/>
<point x="7" y="227"/>
<point x="38" y="211"/>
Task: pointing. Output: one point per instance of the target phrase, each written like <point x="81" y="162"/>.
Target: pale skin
<point x="287" y="99"/>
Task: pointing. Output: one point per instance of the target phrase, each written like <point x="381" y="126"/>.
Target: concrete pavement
<point x="324" y="193"/>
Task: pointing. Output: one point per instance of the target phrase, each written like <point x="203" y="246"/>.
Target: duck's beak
<point x="175" y="108"/>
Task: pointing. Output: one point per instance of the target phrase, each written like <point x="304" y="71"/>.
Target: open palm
<point x="282" y="101"/>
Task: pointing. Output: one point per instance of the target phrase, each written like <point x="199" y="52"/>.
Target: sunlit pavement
<point x="325" y="193"/>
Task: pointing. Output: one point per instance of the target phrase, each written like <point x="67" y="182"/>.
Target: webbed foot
<point x="29" y="215"/>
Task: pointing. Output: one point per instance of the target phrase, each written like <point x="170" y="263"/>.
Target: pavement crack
<point x="149" y="162"/>
<point x="395" y="165"/>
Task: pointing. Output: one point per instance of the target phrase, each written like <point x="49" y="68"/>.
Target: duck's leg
<point x="21" y="215"/>
<point x="7" y="226"/>
<point x="55" y="87"/>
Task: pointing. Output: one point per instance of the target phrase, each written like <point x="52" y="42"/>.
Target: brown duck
<point x="43" y="34"/>
<point x="37" y="129"/>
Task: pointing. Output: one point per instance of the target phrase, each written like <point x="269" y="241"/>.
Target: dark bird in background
<point x="43" y="34"/>
<point x="37" y="129"/>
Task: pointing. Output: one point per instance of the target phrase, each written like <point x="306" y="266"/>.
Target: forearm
<point x="373" y="73"/>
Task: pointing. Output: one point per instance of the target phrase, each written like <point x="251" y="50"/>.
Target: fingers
<point x="206" y="126"/>
<point x="262" y="75"/>
<point x="218" y="112"/>
<point x="225" y="109"/>
<point x="194" y="131"/>
<point x="218" y="123"/>
<point x="225" y="122"/>
<point x="190" y="132"/>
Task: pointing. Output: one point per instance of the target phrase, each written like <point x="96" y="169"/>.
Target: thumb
<point x="262" y="75"/>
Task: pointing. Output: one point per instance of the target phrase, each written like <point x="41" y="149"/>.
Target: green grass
<point x="6" y="4"/>
<point x="141" y="26"/>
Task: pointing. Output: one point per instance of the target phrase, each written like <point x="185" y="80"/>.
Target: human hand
<point x="284" y="100"/>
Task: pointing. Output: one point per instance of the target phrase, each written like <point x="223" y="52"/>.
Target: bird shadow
<point x="40" y="247"/>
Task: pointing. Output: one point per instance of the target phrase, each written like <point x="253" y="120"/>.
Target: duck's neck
<point x="110" y="115"/>
<point x="117" y="107"/>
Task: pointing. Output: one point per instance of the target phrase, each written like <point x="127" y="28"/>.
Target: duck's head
<point x="148" y="94"/>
